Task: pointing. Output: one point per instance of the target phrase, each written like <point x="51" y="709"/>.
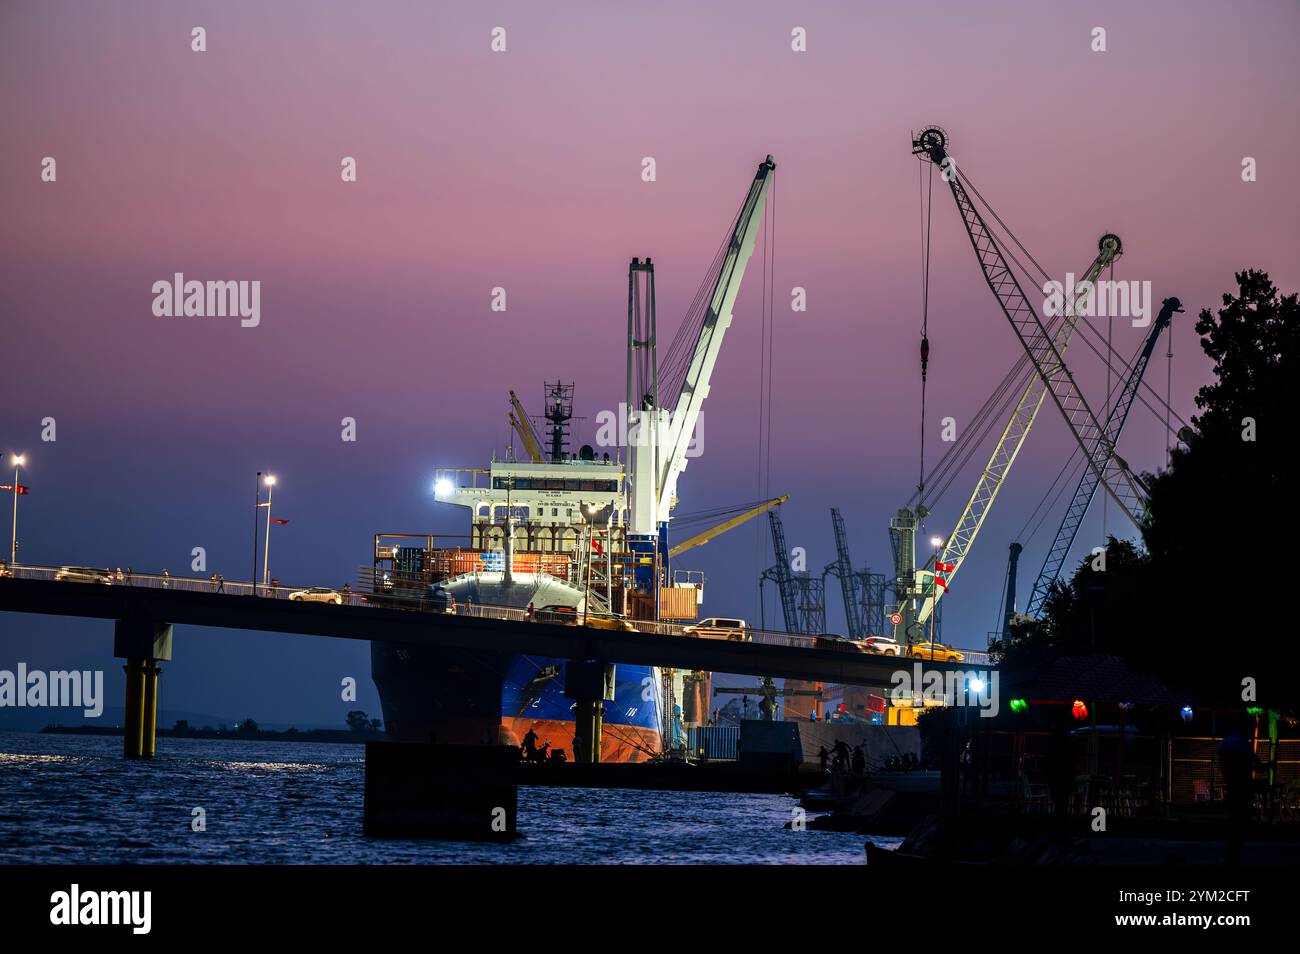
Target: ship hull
<point x="475" y="697"/>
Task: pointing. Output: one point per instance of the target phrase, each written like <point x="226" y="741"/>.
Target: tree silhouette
<point x="1204" y="605"/>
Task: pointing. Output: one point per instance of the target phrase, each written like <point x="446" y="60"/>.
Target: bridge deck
<point x="187" y="607"/>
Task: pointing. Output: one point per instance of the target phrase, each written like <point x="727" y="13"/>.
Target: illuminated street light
<point x="266" y="550"/>
<point x="18" y="460"/>
<point x="443" y="487"/>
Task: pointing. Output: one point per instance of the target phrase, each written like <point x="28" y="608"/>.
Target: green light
<point x="1253" y="710"/>
<point x="1019" y="705"/>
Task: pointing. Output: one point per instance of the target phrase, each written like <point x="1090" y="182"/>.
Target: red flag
<point x="23" y="490"/>
<point x="595" y="545"/>
<point x="277" y="520"/>
<point x="945" y="567"/>
<point x="940" y="581"/>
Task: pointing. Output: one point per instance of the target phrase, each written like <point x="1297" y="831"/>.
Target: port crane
<point x="1051" y="377"/>
<point x="781" y="574"/>
<point x="1087" y="487"/>
<point x="1112" y="471"/>
<point x="1012" y="440"/>
<point x="842" y="570"/>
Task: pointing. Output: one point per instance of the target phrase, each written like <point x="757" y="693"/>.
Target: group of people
<point x="532" y="752"/>
<point x="840" y="759"/>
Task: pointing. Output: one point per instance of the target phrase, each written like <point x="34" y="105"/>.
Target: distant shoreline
<point x="257" y="735"/>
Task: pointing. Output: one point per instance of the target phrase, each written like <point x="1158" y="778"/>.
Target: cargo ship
<point x="545" y="542"/>
<point x="570" y="536"/>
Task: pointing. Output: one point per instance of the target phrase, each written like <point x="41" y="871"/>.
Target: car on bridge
<point x="839" y="643"/>
<point x="937" y="652"/>
<point x="564" y="615"/>
<point x="717" y="627"/>
<point x="883" y="645"/>
<point x="604" y="621"/>
<point x="83" y="574"/>
<point x="317" y="594"/>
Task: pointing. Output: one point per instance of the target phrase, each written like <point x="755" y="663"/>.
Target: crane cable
<point x="927" y="208"/>
<point x="1083" y="324"/>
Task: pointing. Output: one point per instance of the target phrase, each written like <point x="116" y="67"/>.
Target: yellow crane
<point x="523" y="426"/>
<point x="705" y="536"/>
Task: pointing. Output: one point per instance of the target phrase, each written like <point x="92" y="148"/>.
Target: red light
<point x="1079" y="710"/>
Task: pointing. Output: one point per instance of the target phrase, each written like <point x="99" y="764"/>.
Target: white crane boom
<point x="676" y="435"/>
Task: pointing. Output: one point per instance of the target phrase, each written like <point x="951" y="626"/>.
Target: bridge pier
<point x="143" y="644"/>
<point x="591" y="683"/>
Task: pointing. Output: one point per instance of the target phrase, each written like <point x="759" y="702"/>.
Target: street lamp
<point x="269" y="480"/>
<point x="18" y="460"/>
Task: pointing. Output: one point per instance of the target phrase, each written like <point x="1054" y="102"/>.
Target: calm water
<point x="74" y="800"/>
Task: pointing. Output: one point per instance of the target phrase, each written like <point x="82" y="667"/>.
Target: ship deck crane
<point x="1043" y="351"/>
<point x="523" y="426"/>
<point x="657" y="463"/>
<point x="1087" y="488"/>
<point x="703" y="537"/>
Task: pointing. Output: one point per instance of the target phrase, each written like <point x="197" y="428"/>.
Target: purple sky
<point x="522" y="170"/>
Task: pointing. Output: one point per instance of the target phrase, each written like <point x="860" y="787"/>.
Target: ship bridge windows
<point x="571" y="484"/>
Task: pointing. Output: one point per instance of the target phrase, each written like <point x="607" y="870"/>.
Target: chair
<point x="1035" y="794"/>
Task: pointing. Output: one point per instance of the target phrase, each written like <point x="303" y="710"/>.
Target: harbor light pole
<point x="18" y="461"/>
<point x="266" y="550"/>
<point x="257" y="507"/>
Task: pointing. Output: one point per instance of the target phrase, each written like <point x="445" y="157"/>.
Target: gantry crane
<point x="1052" y="377"/>
<point x="781" y="574"/>
<point x="1087" y="488"/>
<point x="842" y="569"/>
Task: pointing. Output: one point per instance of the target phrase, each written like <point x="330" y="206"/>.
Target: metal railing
<point x="403" y="595"/>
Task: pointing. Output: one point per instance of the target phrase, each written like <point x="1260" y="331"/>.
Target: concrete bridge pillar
<point x="143" y="644"/>
<point x="591" y="683"/>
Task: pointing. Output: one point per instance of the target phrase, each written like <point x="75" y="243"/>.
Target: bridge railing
<point x="413" y="599"/>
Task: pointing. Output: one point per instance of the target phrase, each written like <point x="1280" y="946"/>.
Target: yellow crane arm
<point x="705" y="536"/>
<point x="523" y="426"/>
